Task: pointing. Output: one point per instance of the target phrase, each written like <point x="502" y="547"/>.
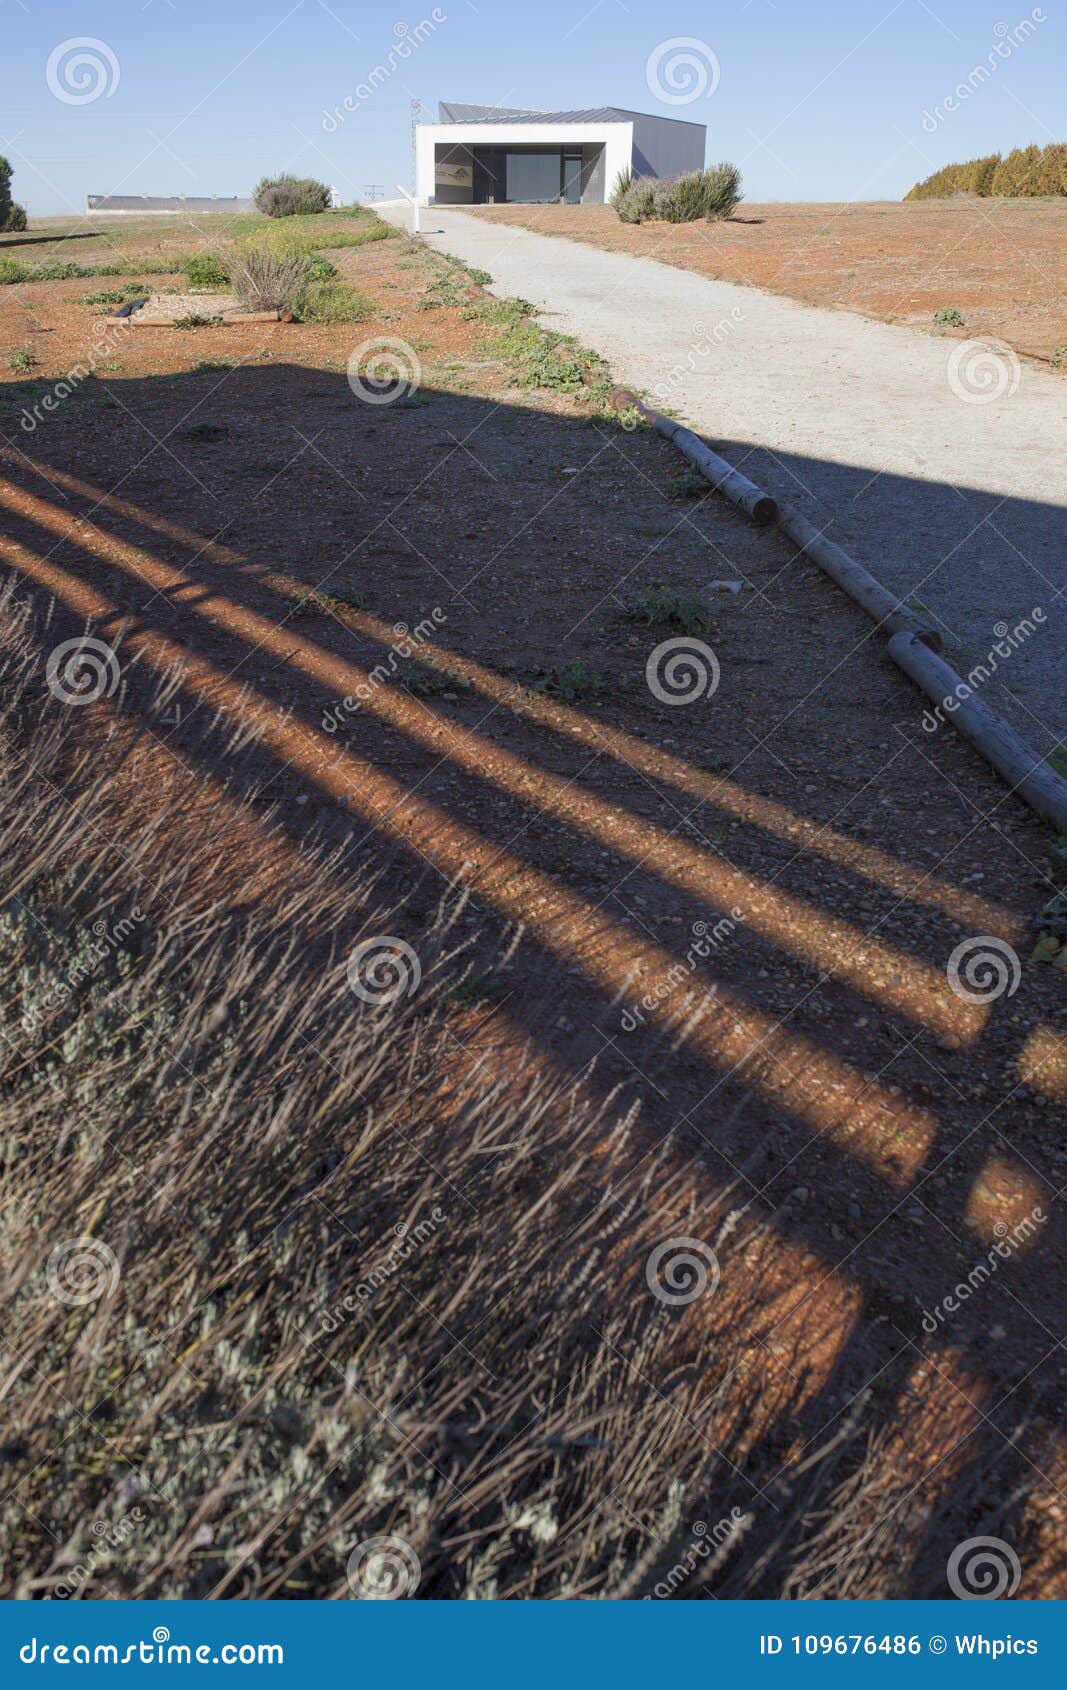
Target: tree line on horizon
<point x="1025" y="173"/>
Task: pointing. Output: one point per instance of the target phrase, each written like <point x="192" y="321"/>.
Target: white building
<point x="485" y="155"/>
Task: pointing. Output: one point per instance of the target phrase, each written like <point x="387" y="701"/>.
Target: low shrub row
<point x="698" y="195"/>
<point x="1025" y="173"/>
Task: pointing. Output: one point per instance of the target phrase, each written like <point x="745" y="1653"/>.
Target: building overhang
<point x="615" y="138"/>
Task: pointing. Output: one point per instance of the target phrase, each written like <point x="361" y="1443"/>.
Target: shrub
<point x="331" y="301"/>
<point x="16" y="219"/>
<point x="680" y="200"/>
<point x="950" y="317"/>
<point x="203" y="270"/>
<point x="22" y="360"/>
<point x="268" y="278"/>
<point x="638" y="202"/>
<point x="1059" y="356"/>
<point x="11" y="270"/>
<point x="624" y="181"/>
<point x="707" y="194"/>
<point x="722" y="189"/>
<point x="291" y="196"/>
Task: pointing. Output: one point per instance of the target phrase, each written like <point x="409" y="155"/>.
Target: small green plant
<point x="203" y="270"/>
<point x="116" y="296"/>
<point x="555" y="362"/>
<point x="569" y="681"/>
<point x="475" y="991"/>
<point x="1059" y="356"/>
<point x="22" y="361"/>
<point x="55" y="270"/>
<point x="687" y="483"/>
<point x="193" y="320"/>
<point x="662" y="606"/>
<point x="338" y="599"/>
<point x="11" y="270"/>
<point x="206" y="431"/>
<point x="950" y="317"/>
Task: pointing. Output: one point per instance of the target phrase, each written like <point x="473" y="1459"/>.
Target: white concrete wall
<point x="617" y="140"/>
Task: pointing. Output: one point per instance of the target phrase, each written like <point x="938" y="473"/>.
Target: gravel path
<point x="937" y="463"/>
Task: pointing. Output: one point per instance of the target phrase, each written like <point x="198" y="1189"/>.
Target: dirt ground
<point x="1003" y="263"/>
<point x="737" y="913"/>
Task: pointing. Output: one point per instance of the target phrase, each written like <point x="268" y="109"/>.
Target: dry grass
<point x="342" y="1289"/>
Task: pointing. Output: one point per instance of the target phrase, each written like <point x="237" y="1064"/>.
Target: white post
<point x="414" y="208"/>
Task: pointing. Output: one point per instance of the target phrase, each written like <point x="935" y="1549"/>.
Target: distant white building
<point x="486" y="155"/>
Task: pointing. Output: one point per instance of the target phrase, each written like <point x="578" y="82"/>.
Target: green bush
<point x="291" y="196"/>
<point x="699" y="194"/>
<point x="5" y="192"/>
<point x="203" y="270"/>
<point x="722" y="189"/>
<point x="624" y="181"/>
<point x="638" y="203"/>
<point x="16" y="219"/>
<point x="11" y="270"/>
<point x="271" y="278"/>
<point x="331" y="301"/>
<point x="950" y="317"/>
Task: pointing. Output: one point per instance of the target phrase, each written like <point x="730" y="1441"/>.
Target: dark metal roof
<point x="450" y="111"/>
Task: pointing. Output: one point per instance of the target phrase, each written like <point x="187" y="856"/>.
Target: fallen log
<point x="1026" y="773"/>
<point x="723" y="477"/>
<point x="882" y="606"/>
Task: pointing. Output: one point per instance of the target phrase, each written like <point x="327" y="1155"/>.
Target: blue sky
<point x="814" y="101"/>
